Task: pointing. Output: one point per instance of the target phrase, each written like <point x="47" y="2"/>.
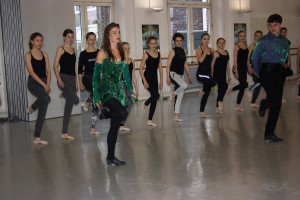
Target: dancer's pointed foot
<point x="229" y="90"/>
<point x="151" y="123"/>
<point x="202" y="115"/>
<point x="238" y="108"/>
<point x="94" y="131"/>
<point x="201" y="93"/>
<point x="254" y="105"/>
<point x="39" y="141"/>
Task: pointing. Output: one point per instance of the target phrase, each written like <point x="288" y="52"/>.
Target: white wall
<point x="50" y="18"/>
<point x="288" y="9"/>
<point x="3" y="107"/>
<point x="134" y="13"/>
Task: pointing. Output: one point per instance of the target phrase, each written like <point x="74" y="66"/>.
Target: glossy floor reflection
<point x="220" y="157"/>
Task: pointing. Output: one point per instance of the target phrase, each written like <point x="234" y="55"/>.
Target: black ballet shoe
<point x="104" y="113"/>
<point x="115" y="161"/>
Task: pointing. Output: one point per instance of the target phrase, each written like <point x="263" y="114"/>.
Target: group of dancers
<point x="109" y="76"/>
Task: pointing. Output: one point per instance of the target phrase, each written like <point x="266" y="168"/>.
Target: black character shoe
<point x="262" y="108"/>
<point x="278" y="138"/>
<point x="104" y="112"/>
<point x="115" y="161"/>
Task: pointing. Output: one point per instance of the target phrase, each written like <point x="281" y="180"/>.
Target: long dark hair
<point x="32" y="37"/>
<point x="106" y="42"/>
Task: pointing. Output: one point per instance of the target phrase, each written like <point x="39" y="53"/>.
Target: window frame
<point x="190" y="30"/>
<point x="84" y="15"/>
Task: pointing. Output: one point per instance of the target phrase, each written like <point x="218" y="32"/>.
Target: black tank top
<point x="152" y="63"/>
<point x="221" y="63"/>
<point x="67" y="63"/>
<point x="205" y="66"/>
<point x="39" y="66"/>
<point x="177" y="64"/>
<point x="130" y="67"/>
<point x="242" y="58"/>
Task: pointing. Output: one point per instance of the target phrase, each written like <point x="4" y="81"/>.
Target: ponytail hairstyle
<point x="204" y="34"/>
<point x="67" y="31"/>
<point x="240" y="33"/>
<point x="89" y="34"/>
<point x="32" y="37"/>
<point x="151" y="38"/>
<point x="220" y="39"/>
<point x="258" y="31"/>
<point x="124" y="43"/>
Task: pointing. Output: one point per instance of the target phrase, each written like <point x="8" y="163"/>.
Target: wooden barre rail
<point x="165" y="58"/>
<point x="194" y="57"/>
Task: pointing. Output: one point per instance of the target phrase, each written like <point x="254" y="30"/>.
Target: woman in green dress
<point x="108" y="87"/>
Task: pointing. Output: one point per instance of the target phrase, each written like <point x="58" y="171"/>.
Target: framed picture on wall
<point x="147" y="31"/>
<point x="237" y="28"/>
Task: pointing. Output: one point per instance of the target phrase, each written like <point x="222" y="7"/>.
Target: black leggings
<point x="256" y="89"/>
<point x="243" y="84"/>
<point x="41" y="103"/>
<point x="222" y="88"/>
<point x="208" y="83"/>
<point x="117" y="113"/>
<point x="153" y="89"/>
<point x="283" y="80"/>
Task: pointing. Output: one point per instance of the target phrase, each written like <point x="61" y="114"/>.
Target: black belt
<point x="271" y="66"/>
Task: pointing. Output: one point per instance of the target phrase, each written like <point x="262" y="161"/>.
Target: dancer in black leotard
<point x="176" y="65"/>
<point x="204" y="73"/>
<point x="37" y="64"/>
<point x="66" y="78"/>
<point x="254" y="90"/>
<point x="85" y="75"/>
<point x="240" y="68"/>
<point x="152" y="60"/>
<point x="130" y="62"/>
<point x="219" y="68"/>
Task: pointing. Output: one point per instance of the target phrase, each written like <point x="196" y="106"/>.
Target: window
<point x="190" y="18"/>
<point x="91" y="17"/>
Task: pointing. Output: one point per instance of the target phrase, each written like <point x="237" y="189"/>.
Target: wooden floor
<point x="218" y="158"/>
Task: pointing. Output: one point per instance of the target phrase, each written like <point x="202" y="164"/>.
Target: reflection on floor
<point x="220" y="157"/>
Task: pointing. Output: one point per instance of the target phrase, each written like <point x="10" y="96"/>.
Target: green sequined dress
<point x="108" y="81"/>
